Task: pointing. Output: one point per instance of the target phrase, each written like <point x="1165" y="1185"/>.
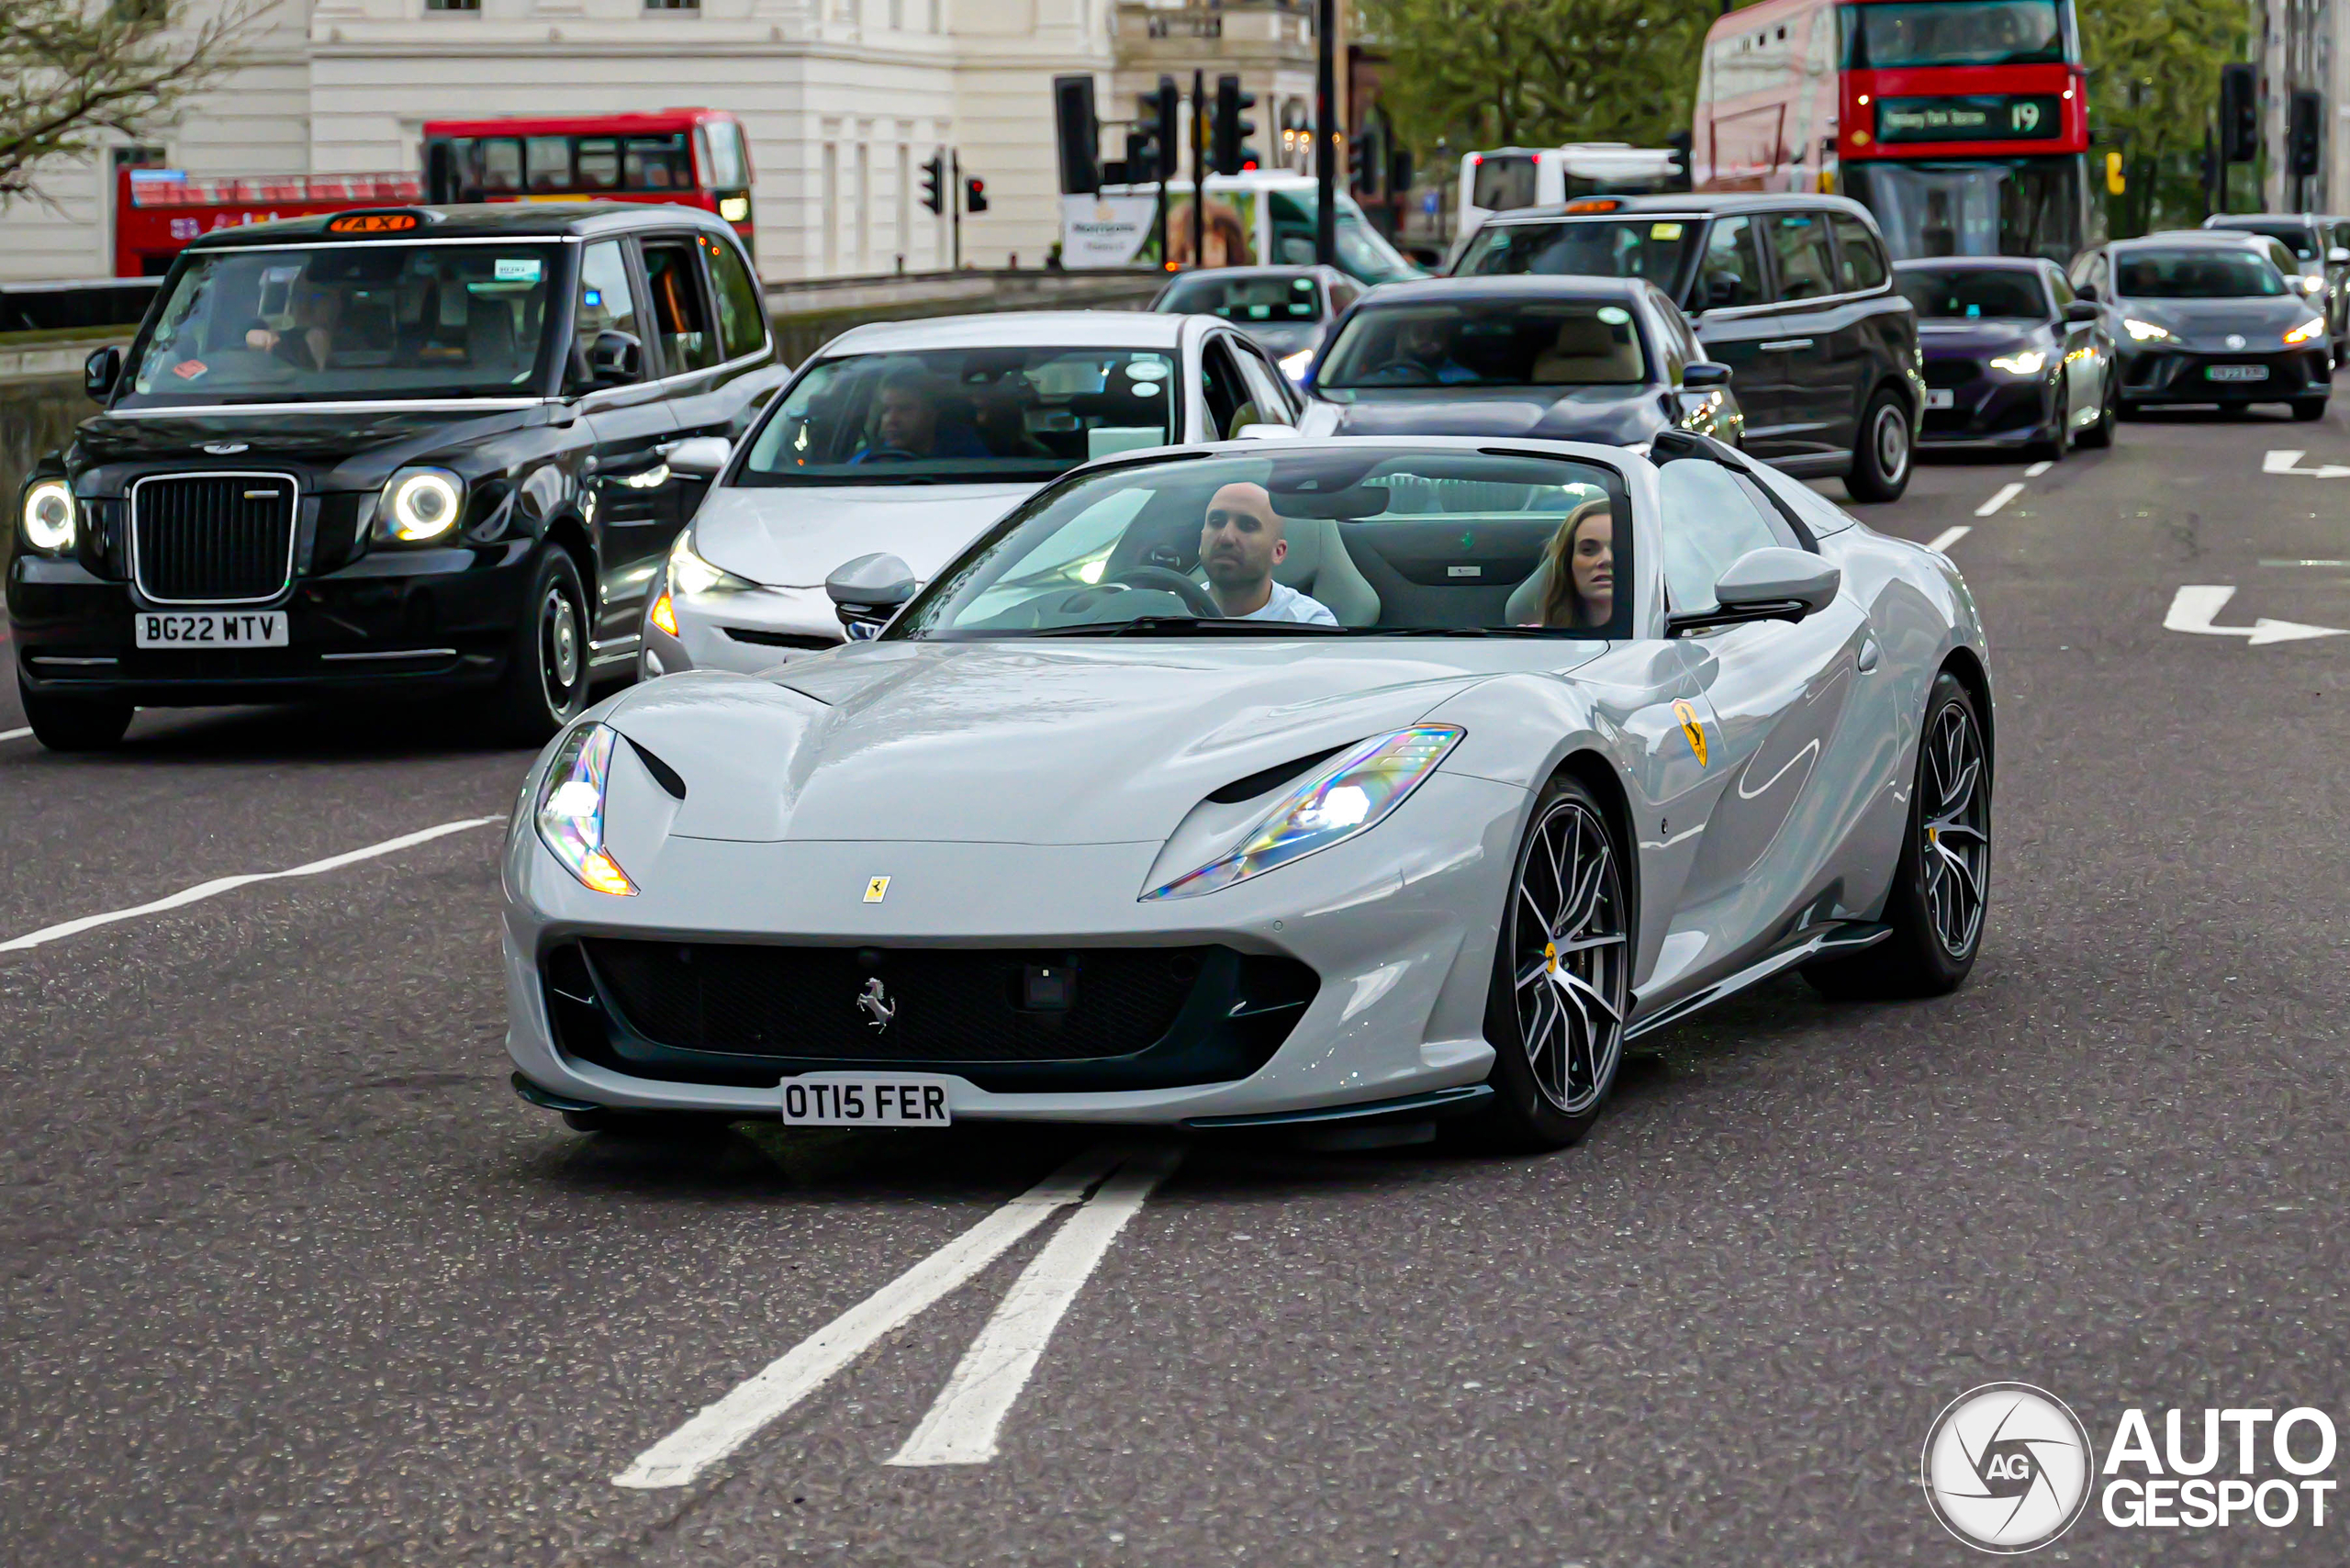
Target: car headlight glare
<point x="570" y="816"/>
<point x="2023" y="362"/>
<point x="1349" y="795"/>
<point x="422" y="504"/>
<point x="2312" y="284"/>
<point x="49" y="516"/>
<point x="688" y="573"/>
<point x="1294" y="364"/>
<point x="2145" y="332"/>
<point x="2308" y="331"/>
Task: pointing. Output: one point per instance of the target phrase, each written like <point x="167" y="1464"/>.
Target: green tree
<point x="2154" y="80"/>
<point x="1536" y="73"/>
<point x="73" y="71"/>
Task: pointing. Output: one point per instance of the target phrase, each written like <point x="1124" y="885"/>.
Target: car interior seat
<point x="1587" y="349"/>
<point x="1319" y="567"/>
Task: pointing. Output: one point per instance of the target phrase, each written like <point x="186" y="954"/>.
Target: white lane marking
<point x="2193" y="606"/>
<point x="2006" y="493"/>
<point x="2285" y="460"/>
<point x="2037" y="469"/>
<point x="718" y="1429"/>
<point x="969" y="1412"/>
<point x="1940" y="543"/>
<point x="227" y="884"/>
<point x="14" y="735"/>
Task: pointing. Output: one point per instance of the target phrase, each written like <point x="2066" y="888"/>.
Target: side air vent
<point x="1272" y="777"/>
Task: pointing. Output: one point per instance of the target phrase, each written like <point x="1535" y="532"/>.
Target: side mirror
<point x="614" y="359"/>
<point x="2081" y="310"/>
<point x="1771" y="584"/>
<point x="700" y="457"/>
<point x="866" y="592"/>
<point x="2338" y="256"/>
<point x="2087" y="291"/>
<point x="100" y="372"/>
<point x="1699" y="375"/>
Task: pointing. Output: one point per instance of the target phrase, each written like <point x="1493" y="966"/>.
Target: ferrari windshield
<point x="346" y="322"/>
<point x="2203" y="273"/>
<point x="1486" y="343"/>
<point x="964" y="416"/>
<point x="1314" y="542"/>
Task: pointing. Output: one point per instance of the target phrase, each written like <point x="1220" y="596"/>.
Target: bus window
<point x="1503" y="183"/>
<point x="501" y="164"/>
<point x="728" y="169"/>
<point x="1956" y="32"/>
<point x="548" y="158"/>
<point x="680" y="318"/>
<point x="657" y="163"/>
<point x="599" y="163"/>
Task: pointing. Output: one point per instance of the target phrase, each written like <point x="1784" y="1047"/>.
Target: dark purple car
<point x="2012" y="359"/>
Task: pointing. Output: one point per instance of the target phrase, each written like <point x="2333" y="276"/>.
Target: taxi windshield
<point x="1318" y="543"/>
<point x="349" y="321"/>
<point x="964" y="416"/>
<point x="1653" y="247"/>
<point x="1484" y="343"/>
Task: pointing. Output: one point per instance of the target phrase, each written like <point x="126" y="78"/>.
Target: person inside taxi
<point x="906" y="424"/>
<point x="316" y="309"/>
<point x="1581" y="560"/>
<point x="1242" y="539"/>
<point x="1421" y="356"/>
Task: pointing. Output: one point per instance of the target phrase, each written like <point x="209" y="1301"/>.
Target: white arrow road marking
<point x="1940" y="543"/>
<point x="2283" y="461"/>
<point x="962" y="1424"/>
<point x="2192" y="608"/>
<point x="228" y="884"/>
<point x="2006" y="493"/>
<point x="719" y="1429"/>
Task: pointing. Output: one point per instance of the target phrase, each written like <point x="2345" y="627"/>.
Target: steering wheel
<point x="1196" y="597"/>
<point x="890" y="454"/>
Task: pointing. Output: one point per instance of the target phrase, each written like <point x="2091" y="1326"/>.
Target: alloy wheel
<point x="560" y="653"/>
<point x="1954" y="848"/>
<point x="1570" y="956"/>
<point x="1891" y="439"/>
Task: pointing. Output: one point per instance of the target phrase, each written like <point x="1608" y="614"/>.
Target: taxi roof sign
<point x="374" y="223"/>
<point x="1595" y="204"/>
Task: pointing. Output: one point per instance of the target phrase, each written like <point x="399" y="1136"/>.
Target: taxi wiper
<point x="1184" y="625"/>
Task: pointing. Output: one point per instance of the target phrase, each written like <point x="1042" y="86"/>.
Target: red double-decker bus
<point x="693" y="157"/>
<point x="158" y="211"/>
<point x="1961" y="124"/>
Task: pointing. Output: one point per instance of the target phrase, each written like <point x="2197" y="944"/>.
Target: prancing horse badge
<point x="876" y="889"/>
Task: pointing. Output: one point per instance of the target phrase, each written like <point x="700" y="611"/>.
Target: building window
<point x="673" y="5"/>
<point x="452" y="5"/>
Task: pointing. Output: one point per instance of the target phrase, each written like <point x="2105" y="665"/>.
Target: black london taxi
<point x="423" y="451"/>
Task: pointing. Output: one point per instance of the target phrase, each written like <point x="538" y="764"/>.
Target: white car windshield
<point x="347" y="322"/>
<point x="1308" y="543"/>
<point x="945" y="416"/>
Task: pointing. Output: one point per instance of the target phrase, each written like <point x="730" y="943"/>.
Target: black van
<point x="396" y="451"/>
<point x="1792" y="292"/>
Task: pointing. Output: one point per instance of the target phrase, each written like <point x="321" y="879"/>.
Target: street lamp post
<point x="1327" y="133"/>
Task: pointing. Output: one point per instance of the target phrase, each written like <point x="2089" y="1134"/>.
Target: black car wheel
<point x="1554" y="1012"/>
<point x="2050" y="447"/>
<point x="2309" y="409"/>
<point x="74" y="724"/>
<point x="1942" y="886"/>
<point x="2099" y="435"/>
<point x="1880" y="469"/>
<point x="545" y="683"/>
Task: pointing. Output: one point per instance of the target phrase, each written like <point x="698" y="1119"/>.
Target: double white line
<point x="963" y="1423"/>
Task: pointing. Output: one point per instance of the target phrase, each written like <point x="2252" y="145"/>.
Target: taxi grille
<point x="212" y="538"/>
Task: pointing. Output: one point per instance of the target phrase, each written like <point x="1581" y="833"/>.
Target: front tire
<point x="545" y="683"/>
<point x="1880" y="458"/>
<point x="2309" y="409"/>
<point x="1941" y="885"/>
<point x="1554" y="1012"/>
<point x="2100" y="436"/>
<point x="74" y="724"/>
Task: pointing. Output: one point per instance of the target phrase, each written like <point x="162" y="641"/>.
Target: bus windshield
<point x="1988" y="207"/>
<point x="1954" y="33"/>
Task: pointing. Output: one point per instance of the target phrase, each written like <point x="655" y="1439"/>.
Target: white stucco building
<point x="842" y="100"/>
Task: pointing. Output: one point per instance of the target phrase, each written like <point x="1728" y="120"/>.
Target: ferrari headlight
<point x="49" y="516"/>
<point x="1294" y="364"/>
<point x="2145" y="332"/>
<point x="2024" y="362"/>
<point x="2308" y="331"/>
<point x="1349" y="797"/>
<point x="571" y="810"/>
<point x="421" y="505"/>
<point x="688" y="573"/>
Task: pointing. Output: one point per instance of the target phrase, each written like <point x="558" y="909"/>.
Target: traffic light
<point x="2302" y="136"/>
<point x="1078" y="133"/>
<point x="2115" y="184"/>
<point x="1230" y="134"/>
<point x="1359" y="164"/>
<point x="934" y="181"/>
<point x="975" y="196"/>
<point x="2239" y="114"/>
<point x="1152" y="150"/>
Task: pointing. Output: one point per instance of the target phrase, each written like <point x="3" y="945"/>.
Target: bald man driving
<point x="1241" y="541"/>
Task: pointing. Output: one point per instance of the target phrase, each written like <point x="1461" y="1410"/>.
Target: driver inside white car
<point x="1242" y="539"/>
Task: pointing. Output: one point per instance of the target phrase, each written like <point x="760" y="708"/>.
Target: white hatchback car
<point x="910" y="438"/>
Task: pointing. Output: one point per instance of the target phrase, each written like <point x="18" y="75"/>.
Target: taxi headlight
<point x="570" y="815"/>
<point x="2024" y="362"/>
<point x="2308" y="331"/>
<point x="421" y="505"/>
<point x="1349" y="795"/>
<point x="688" y="573"/>
<point x="2145" y="332"/>
<point x="49" y="516"/>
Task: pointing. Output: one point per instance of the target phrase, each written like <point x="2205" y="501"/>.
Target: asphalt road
<point x="287" y="1275"/>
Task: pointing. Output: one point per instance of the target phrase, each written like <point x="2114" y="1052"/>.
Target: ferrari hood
<point x="1034" y="742"/>
<point x="790" y="537"/>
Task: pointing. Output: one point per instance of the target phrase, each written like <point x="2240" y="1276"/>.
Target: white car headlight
<point x="570" y="815"/>
<point x="49" y="516"/>
<point x="688" y="573"/>
<point x="2308" y="331"/>
<point x="1294" y="364"/>
<point x="2025" y="362"/>
<point x="421" y="505"/>
<point x="2145" y="332"/>
<point x="1349" y="795"/>
<point x="2312" y="284"/>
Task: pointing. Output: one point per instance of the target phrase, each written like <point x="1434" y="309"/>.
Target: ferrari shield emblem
<point x="876" y="889"/>
<point x="1690" y="727"/>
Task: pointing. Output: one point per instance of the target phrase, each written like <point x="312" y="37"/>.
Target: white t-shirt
<point x="1287" y="604"/>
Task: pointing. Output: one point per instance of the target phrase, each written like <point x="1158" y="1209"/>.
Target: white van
<point x="1252" y="219"/>
<point x="1502" y="179"/>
